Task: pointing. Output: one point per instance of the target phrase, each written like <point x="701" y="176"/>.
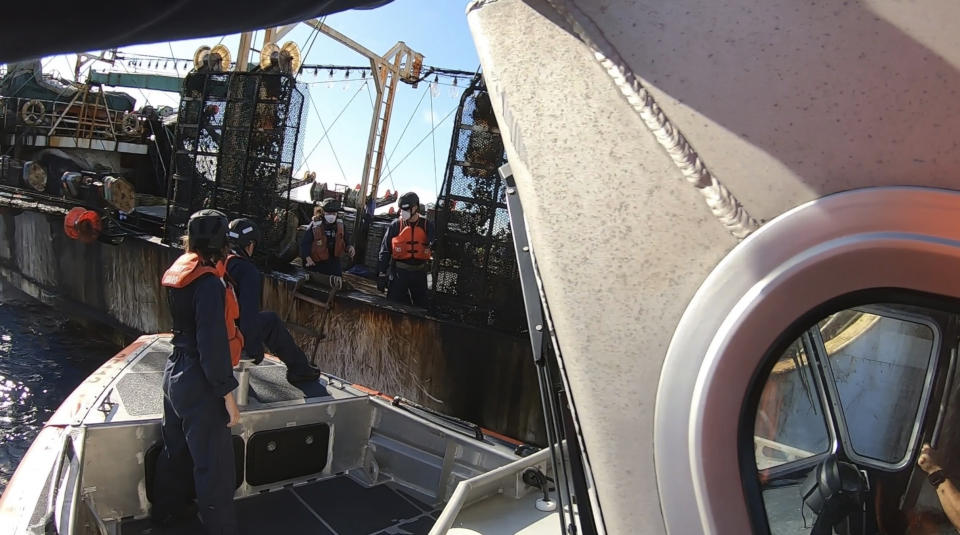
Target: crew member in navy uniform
<point x="261" y="327"/>
<point x="406" y="252"/>
<point x="198" y="383"/>
<point x="325" y="240"/>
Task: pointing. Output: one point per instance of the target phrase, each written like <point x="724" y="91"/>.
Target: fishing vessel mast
<point x="400" y="64"/>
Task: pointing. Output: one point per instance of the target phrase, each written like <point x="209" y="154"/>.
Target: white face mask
<point x="405" y="214"/>
<point x="330" y="218"/>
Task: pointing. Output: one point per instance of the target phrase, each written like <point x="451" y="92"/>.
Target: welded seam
<point x="474" y="5"/>
<point x="721" y="201"/>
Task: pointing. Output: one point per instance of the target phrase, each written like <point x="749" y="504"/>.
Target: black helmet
<point x="330" y="205"/>
<point x="207" y="230"/>
<point x="408" y="200"/>
<point x="243" y="231"/>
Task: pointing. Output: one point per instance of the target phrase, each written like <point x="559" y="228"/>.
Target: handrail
<point x="466" y="487"/>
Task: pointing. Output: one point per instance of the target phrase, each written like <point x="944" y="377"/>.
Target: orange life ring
<point x="82" y="224"/>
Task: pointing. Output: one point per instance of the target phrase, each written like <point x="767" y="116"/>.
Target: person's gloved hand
<point x="382" y="282"/>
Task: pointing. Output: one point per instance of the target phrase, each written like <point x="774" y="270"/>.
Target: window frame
<point x="837" y="404"/>
<point x="764" y="294"/>
<point x="833" y="442"/>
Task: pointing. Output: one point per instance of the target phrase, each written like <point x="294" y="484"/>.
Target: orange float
<point x="82" y="224"/>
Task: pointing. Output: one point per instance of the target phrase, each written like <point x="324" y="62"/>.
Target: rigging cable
<point x="412" y="115"/>
<point x="326" y="131"/>
<point x="445" y="117"/>
<point x="433" y="141"/>
<point x="325" y="136"/>
<point x="313" y="33"/>
<point x="175" y="63"/>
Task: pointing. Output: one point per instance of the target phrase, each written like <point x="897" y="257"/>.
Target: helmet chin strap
<point x="241" y="251"/>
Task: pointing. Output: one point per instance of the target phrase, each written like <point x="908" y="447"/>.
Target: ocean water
<point x="44" y="355"/>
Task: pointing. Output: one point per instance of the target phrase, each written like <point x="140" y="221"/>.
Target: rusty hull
<point x="479" y="375"/>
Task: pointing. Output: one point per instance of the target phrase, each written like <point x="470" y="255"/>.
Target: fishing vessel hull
<point x="465" y="371"/>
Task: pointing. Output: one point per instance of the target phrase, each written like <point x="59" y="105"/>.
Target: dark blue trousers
<point x="279" y="341"/>
<point x="408" y="287"/>
<point x="195" y="438"/>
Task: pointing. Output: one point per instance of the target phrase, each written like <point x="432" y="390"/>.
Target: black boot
<point x="310" y="374"/>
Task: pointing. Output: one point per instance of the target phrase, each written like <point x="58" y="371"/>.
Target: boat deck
<point x="322" y="457"/>
<point x="335" y="506"/>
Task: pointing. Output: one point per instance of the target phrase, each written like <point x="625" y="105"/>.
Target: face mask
<point x="330" y="218"/>
<point x="405" y="214"/>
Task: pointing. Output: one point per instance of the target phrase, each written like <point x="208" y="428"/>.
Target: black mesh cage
<point x="235" y="150"/>
<point x="475" y="276"/>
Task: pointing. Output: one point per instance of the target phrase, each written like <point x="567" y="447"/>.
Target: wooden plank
<point x="307" y="298"/>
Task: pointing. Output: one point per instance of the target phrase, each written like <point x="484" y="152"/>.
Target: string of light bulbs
<point x="441" y="76"/>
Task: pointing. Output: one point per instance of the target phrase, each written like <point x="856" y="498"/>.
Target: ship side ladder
<point x="332" y="284"/>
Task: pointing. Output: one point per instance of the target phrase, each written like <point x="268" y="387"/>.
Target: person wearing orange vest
<point x="405" y="254"/>
<point x="261" y="327"/>
<point x="198" y="383"/>
<point x="326" y="240"/>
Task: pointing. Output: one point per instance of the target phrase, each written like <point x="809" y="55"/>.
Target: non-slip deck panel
<point x="268" y="384"/>
<point x="339" y="503"/>
<point x="140" y="389"/>
<point x="420" y="526"/>
<point x="417" y="502"/>
<point x="271" y="512"/>
<point x="141" y="393"/>
<point x="277" y="512"/>
<point x="145" y="526"/>
<point x="154" y="361"/>
<point x="352" y="508"/>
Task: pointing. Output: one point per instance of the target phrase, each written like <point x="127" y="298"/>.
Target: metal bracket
<point x="528" y="275"/>
<point x="107" y="405"/>
<point x="569" y="470"/>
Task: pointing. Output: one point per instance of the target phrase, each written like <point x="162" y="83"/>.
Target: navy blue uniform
<point x="196" y="378"/>
<point x="408" y="278"/>
<point x="262" y="327"/>
<point x="332" y="265"/>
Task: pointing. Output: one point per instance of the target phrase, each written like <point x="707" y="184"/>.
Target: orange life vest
<point x="187" y="269"/>
<point x="411" y="243"/>
<point x="320" y="251"/>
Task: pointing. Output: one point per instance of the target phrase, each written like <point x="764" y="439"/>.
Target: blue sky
<point x="436" y="28"/>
